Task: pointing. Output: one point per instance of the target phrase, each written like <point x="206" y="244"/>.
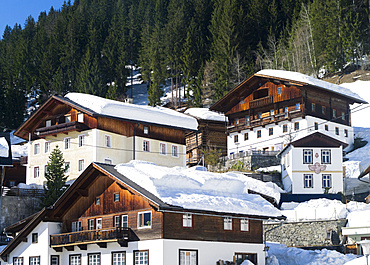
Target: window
<point x="54" y="260"/>
<point x="141" y="257"/>
<point x="244" y="225"/>
<point x="343" y="116"/>
<point x="36" y="149"/>
<point x="307" y="156"/>
<point x="325" y="156"/>
<point x="108" y="141"/>
<point x="12" y="183"/>
<point x="236" y="121"/>
<point x="36" y="172"/>
<point x="67" y="118"/>
<point x="316" y="125"/>
<point x="334" y="113"/>
<point x="345" y="133"/>
<point x="259" y="115"/>
<point x="18" y="261"/>
<point x="228" y="223"/>
<point x="116" y="221"/>
<point x="81" y="140"/>
<point x="91" y="224"/>
<point x="188" y="257"/>
<point x="47" y="146"/>
<point x="75" y="260"/>
<point x="280" y="90"/>
<point x="240" y="257"/>
<point x="97" y="201"/>
<point x="326" y="127"/>
<point x="175" y="151"/>
<point x="247" y="120"/>
<point x="298" y="106"/>
<point x="67" y="143"/>
<point x="116" y="197"/>
<point x="323" y="110"/>
<point x="81" y="164"/>
<point x="326" y="181"/>
<point x="308" y="181"/>
<point x="67" y="167"/>
<point x="119" y="258"/>
<point x="296" y="126"/>
<point x="35" y="260"/>
<point x="259" y="134"/>
<point x="271" y="131"/>
<point x="47" y="123"/>
<point x="76" y="226"/>
<point x="285" y="128"/>
<point x="272" y="112"/>
<point x="144" y="219"/>
<point x="124" y="220"/>
<point x="35" y="237"/>
<point x="286" y="109"/>
<point x="336" y="130"/>
<point x="45" y="170"/>
<point x="313" y="107"/>
<point x="236" y="138"/>
<point x="187" y="220"/>
<point x="94" y="259"/>
<point x="108" y="161"/>
<point x="146" y="130"/>
<point x="146" y="146"/>
<point x="245" y="136"/>
<point x="162" y="149"/>
<point x="98" y="223"/>
<point x="242" y="101"/>
<point x="80" y="117"/>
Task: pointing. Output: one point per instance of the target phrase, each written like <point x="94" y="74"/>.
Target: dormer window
<point x="47" y="123"/>
<point x="67" y="118"/>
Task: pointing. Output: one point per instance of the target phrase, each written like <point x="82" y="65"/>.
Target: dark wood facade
<point x="262" y="100"/>
<point x="210" y="135"/>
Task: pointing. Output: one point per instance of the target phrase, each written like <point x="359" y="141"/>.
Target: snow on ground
<point x="194" y="189"/>
<point x="123" y="110"/>
<point x="324" y="209"/>
<point x="282" y="255"/>
<point x="206" y="114"/>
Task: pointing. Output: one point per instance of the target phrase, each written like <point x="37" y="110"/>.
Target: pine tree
<point x="55" y="177"/>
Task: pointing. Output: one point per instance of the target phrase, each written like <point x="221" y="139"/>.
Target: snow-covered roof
<point x="155" y="115"/>
<point x="206" y="114"/>
<point x="201" y="190"/>
<point x="298" y="77"/>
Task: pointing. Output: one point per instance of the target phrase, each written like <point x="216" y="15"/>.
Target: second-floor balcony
<point x="120" y="235"/>
<point x="260" y="102"/>
<point x="61" y="128"/>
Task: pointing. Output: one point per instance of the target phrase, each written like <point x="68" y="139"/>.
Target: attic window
<point x="97" y="201"/>
<point x="80" y="117"/>
<point x="67" y="118"/>
<point x="47" y="123"/>
<point x="146" y="130"/>
<point x="280" y="90"/>
<point x="242" y="101"/>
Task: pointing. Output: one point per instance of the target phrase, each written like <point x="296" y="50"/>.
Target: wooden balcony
<point x="101" y="237"/>
<point x="260" y="102"/>
<point x="61" y="128"/>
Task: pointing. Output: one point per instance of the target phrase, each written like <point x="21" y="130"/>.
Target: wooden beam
<point x="24" y="239"/>
<point x="82" y="247"/>
<point x="102" y="244"/>
<point x="70" y="248"/>
<point x="83" y="192"/>
<point x="58" y="249"/>
<point x="123" y="243"/>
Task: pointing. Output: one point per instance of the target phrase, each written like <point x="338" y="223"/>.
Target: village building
<point x="89" y="129"/>
<point x="313" y="165"/>
<point x="140" y="213"/>
<point x="210" y="136"/>
<point x="273" y="107"/>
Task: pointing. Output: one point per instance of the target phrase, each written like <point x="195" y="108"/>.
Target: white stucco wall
<point x="278" y="139"/>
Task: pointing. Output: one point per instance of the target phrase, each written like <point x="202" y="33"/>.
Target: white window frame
<point x="37" y="149"/>
<point x="244" y="224"/>
<point x="98" y="223"/>
<point x="228" y="223"/>
<point x="91" y="224"/>
<point x="36" y="172"/>
<point x="76" y="226"/>
<point x="146" y="130"/>
<point x="140" y="220"/>
<point x="175" y="151"/>
<point x="81" y="164"/>
<point x="188" y="257"/>
<point x="146" y="146"/>
<point x="35" y="260"/>
<point x="119" y="258"/>
<point x="108" y="141"/>
<point x="141" y="257"/>
<point x="326" y="181"/>
<point x="81" y="140"/>
<point x="54" y="259"/>
<point x="94" y="259"/>
<point x="162" y="149"/>
<point x="308" y="181"/>
<point x="75" y="259"/>
<point x="125" y="220"/>
<point x="116" y="221"/>
<point x="67" y="143"/>
<point x="18" y="261"/>
<point x="47" y="147"/>
<point x="187" y="220"/>
<point x="326" y="156"/>
<point x="307" y="156"/>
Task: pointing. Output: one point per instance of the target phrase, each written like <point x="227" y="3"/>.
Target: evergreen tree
<point x="55" y="177"/>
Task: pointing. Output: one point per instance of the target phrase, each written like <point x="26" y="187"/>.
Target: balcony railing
<point x="260" y="102"/>
<point x="62" y="127"/>
<point x="90" y="237"/>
